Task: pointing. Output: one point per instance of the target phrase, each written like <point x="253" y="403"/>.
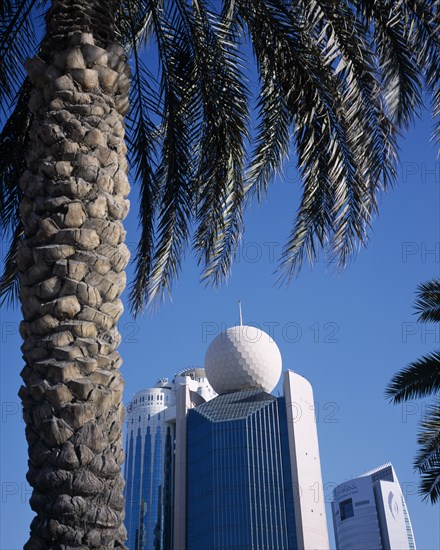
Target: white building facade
<point x="310" y="515"/>
<point x="370" y="512"/>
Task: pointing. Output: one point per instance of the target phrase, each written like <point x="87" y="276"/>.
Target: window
<point x="346" y="509"/>
<point x="361" y="502"/>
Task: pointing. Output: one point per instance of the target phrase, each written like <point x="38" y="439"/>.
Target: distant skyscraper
<point x="370" y="512"/>
<point x="252" y="458"/>
<point x="149" y="465"/>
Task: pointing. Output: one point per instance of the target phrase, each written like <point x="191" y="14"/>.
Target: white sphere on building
<point x="242" y="358"/>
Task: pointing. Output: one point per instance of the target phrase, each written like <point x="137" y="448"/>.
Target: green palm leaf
<point x="422" y="378"/>
<point x="428" y="301"/>
<point x="17" y="42"/>
<point x="142" y="138"/>
<point x="427" y="460"/>
<point x="419" y="379"/>
<point x="219" y="185"/>
<point x="13" y="144"/>
<point x="9" y="284"/>
<point x="176" y="170"/>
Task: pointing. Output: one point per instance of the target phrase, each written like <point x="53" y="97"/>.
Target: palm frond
<point x="134" y="24"/>
<point x="424" y="32"/>
<point x="428" y="301"/>
<point x="430" y="482"/>
<point x="332" y="97"/>
<point x="272" y="138"/>
<point x="418" y="379"/>
<point x="230" y="18"/>
<point x="142" y="135"/>
<point x="429" y="436"/>
<point x="357" y="177"/>
<point x="219" y="185"/>
<point x="274" y="52"/>
<point x="427" y="461"/>
<point x="14" y="139"/>
<point x="397" y="59"/>
<point x="315" y="218"/>
<point x="9" y="281"/>
<point x="436" y="114"/>
<point x="18" y="41"/>
<point x="176" y="170"/>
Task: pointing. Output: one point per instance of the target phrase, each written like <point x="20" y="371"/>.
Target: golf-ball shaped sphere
<point x="242" y="358"/>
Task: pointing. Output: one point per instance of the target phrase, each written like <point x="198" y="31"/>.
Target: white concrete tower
<point x="310" y="516"/>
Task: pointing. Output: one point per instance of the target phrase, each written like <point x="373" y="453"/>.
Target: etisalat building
<point x="216" y="462"/>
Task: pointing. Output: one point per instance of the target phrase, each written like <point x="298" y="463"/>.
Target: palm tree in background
<point x="337" y="82"/>
<point x="421" y="379"/>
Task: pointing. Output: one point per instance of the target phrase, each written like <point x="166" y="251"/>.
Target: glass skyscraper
<point x="149" y="464"/>
<point x="239" y="477"/>
<point x="252" y="459"/>
<point x="149" y="449"/>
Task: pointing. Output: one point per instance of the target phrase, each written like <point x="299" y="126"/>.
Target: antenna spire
<point x="240" y="313"/>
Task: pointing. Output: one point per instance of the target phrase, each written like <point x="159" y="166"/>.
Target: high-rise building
<point x="149" y="464"/>
<point x="370" y="512"/>
<point x="216" y="462"/>
<point x="252" y="458"/>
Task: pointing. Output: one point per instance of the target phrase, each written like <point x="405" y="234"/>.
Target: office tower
<point x="252" y="459"/>
<point x="370" y="512"/>
<point x="149" y="464"/>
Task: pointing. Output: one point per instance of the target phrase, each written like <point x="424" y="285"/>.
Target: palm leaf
<point x="175" y="172"/>
<point x="427" y="461"/>
<point x="17" y="42"/>
<point x="336" y="110"/>
<point x="338" y="80"/>
<point x="428" y="301"/>
<point x="418" y="379"/>
<point x="14" y="139"/>
<point x="142" y="137"/>
<point x="13" y="147"/>
<point x="424" y="31"/>
<point x="222" y="149"/>
<point x="134" y="23"/>
<point x="9" y="282"/>
<point x="398" y="63"/>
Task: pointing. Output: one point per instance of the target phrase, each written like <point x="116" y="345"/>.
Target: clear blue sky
<point x="347" y="333"/>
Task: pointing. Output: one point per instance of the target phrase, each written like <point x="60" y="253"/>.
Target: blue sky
<point x="348" y="333"/>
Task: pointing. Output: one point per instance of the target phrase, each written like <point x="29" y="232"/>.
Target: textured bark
<point x="72" y="274"/>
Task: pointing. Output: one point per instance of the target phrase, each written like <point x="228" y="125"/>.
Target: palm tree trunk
<point x="72" y="265"/>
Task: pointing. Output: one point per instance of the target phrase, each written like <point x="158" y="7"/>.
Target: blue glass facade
<point x="128" y="475"/>
<point x="145" y="473"/>
<point x="239" y="487"/>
